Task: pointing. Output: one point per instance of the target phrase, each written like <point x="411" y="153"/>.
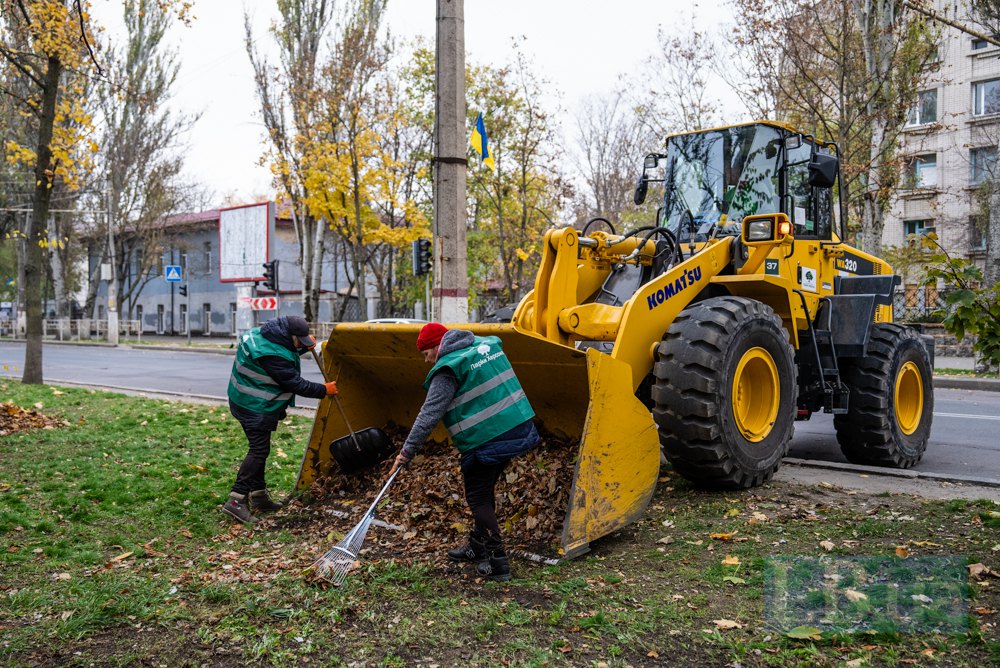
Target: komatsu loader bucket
<point x="583" y="396"/>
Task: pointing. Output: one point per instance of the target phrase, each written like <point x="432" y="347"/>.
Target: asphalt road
<point x="964" y="438"/>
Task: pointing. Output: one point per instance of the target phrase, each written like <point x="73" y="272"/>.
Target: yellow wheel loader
<point x="704" y="336"/>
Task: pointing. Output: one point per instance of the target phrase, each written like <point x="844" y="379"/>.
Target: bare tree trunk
<point x="34" y="268"/>
<point x="317" y="251"/>
<point x="56" y="266"/>
<point x="991" y="272"/>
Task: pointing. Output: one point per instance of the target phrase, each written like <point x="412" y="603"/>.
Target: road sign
<point x="262" y="303"/>
<point x="172" y="272"/>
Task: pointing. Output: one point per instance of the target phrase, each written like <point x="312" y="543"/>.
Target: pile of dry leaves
<point x="427" y="499"/>
<point x="13" y="419"/>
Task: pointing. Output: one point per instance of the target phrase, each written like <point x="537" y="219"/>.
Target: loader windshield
<point x="716" y="178"/>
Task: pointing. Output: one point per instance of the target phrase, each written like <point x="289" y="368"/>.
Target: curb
<point x="909" y="474"/>
<point x="962" y="383"/>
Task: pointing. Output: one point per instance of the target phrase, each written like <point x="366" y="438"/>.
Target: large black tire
<point x="724" y="392"/>
<point x="888" y="421"/>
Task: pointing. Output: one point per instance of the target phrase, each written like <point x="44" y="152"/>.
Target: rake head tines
<point x="342" y="558"/>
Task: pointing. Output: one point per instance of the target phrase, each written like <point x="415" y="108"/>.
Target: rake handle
<point x="336" y="399"/>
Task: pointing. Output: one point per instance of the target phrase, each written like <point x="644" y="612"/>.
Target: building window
<point x="977" y="240"/>
<point x="184" y="318"/>
<point x="983" y="162"/>
<point x="207" y="250"/>
<point x="986" y="97"/>
<point x="206" y="319"/>
<point x="980" y="44"/>
<point x="924" y="111"/>
<point x="138" y="315"/>
<point x="912" y="228"/>
<point x="923" y="171"/>
<point x="160" y="324"/>
<point x="232" y="318"/>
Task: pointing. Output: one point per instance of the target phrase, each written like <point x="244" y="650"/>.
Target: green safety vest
<point x="249" y="385"/>
<point x="489" y="400"/>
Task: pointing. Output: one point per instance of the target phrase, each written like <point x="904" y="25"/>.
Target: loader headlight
<point x="760" y="230"/>
<point x="766" y="228"/>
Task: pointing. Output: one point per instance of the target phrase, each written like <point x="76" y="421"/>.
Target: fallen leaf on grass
<point x="929" y="652"/>
<point x="666" y="540"/>
<point x="980" y="571"/>
<point x="853" y="595"/>
<point x="854" y="663"/>
<point x="757" y="518"/>
<point x="652" y="655"/>
<point x="726" y="624"/>
<point x="926" y="543"/>
<point x="732" y="512"/>
<point x="723" y="536"/>
<point x="827" y="545"/>
<point x="122" y="557"/>
<point x="902" y="551"/>
<point x="730" y="560"/>
<point x="805" y="633"/>
<point x="922" y="598"/>
<point x="734" y="580"/>
<point x="196" y="467"/>
<point x="982" y="612"/>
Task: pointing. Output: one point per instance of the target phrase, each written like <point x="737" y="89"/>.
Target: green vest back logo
<point x="483" y="349"/>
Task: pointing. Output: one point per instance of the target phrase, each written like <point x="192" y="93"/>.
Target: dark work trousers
<point x="258" y="428"/>
<point x="480" y="493"/>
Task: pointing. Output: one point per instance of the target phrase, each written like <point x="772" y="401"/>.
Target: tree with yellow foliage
<point x="41" y="43"/>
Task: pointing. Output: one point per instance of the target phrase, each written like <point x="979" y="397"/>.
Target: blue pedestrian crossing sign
<point x="172" y="272"/>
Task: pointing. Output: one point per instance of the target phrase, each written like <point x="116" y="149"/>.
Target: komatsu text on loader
<point x="704" y="336"/>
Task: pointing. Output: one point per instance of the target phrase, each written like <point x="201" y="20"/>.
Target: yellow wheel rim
<point x="909" y="398"/>
<point x="756" y="394"/>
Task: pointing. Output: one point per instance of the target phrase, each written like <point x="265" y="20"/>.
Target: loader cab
<point x="713" y="178"/>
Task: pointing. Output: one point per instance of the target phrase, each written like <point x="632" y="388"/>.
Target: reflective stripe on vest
<point x="250" y="387"/>
<point x="486" y="413"/>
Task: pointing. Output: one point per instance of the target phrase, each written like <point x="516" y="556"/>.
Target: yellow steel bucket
<point x="576" y="395"/>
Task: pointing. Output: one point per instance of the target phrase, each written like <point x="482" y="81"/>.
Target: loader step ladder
<point x="835" y="393"/>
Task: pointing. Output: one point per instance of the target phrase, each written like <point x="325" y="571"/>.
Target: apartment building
<point x="950" y="145"/>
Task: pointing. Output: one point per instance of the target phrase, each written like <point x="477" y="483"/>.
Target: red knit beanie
<point x="430" y="335"/>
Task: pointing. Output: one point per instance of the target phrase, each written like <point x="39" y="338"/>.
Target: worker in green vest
<point x="473" y="390"/>
<point x="266" y="377"/>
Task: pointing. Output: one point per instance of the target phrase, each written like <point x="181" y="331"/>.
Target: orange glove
<point x="331" y="388"/>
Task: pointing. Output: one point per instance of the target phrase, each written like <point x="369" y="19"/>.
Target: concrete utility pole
<point x="451" y="277"/>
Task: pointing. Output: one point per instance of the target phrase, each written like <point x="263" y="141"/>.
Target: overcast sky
<point x="580" y="46"/>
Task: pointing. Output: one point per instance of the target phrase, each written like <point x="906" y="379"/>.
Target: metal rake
<point x="342" y="558"/>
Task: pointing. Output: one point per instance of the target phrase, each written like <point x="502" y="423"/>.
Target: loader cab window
<point x="809" y="208"/>
<point x="716" y="178"/>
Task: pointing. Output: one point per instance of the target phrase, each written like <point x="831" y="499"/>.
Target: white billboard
<point x="244" y="241"/>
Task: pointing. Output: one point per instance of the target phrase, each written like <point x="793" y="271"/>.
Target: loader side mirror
<point x="641" y="186"/>
<point x="766" y="228"/>
<point x="823" y="170"/>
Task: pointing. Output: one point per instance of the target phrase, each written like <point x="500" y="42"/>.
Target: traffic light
<point x="271" y="275"/>
<point x="184" y="290"/>
<point x="421" y="257"/>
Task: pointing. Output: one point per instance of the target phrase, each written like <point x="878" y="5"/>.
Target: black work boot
<point x="472" y="550"/>
<point x="496" y="565"/>
<point x="236" y="507"/>
<point x="261" y="502"/>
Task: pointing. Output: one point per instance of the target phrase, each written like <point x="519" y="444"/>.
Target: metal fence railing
<point x="66" y="329"/>
<point x="919" y="304"/>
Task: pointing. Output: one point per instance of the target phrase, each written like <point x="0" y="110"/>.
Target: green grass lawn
<point x="113" y="552"/>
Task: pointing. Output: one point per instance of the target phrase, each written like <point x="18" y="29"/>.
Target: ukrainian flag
<point x="481" y="143"/>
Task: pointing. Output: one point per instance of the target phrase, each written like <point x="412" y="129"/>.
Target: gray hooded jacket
<point x="443" y="387"/>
